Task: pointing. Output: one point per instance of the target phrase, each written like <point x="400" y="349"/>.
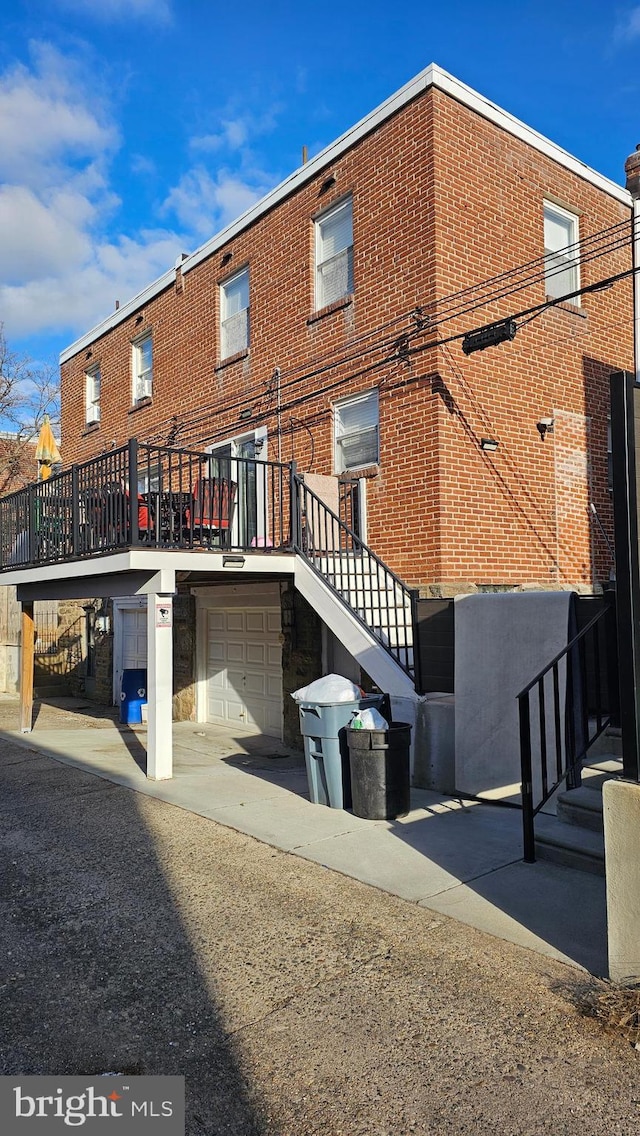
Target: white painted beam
<point x="159" y="686"/>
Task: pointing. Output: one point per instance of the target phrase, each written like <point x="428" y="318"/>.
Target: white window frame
<point x="555" y="273"/>
<point x="142" y="377"/>
<point x="92" y="383"/>
<point x="227" y="347"/>
<point x="367" y="399"/>
<point x="323" y="296"/>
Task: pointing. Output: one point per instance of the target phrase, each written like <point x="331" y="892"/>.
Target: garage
<point x="243" y="663"/>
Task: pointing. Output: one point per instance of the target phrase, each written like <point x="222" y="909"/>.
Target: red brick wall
<point x="442" y="200"/>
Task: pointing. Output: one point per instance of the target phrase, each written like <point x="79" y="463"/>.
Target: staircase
<point x="376" y="597"/>
<point x="572" y="833"/>
<point x="363" y="584"/>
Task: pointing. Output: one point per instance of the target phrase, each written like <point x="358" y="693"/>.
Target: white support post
<point x="621" y="809"/>
<point x="159" y="686"/>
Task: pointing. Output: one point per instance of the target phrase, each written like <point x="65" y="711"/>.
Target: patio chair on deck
<point x="211" y="517"/>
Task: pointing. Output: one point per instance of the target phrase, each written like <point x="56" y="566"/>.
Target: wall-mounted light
<point x="139" y="319"/>
<point x="246" y="413"/>
<point x="544" y="427"/>
<point x="489" y="444"/>
<point x="233" y="561"/>
<point x="89" y="354"/>
<point x="226" y="258"/>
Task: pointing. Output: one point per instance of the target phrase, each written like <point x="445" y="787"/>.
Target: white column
<point x="159" y="686"/>
<point x="621" y="808"/>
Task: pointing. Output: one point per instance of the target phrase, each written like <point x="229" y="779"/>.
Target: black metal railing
<point x="151" y="496"/>
<point x="561" y="713"/>
<point x="371" y="591"/>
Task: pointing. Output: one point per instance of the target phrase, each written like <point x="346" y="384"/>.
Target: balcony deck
<point x="133" y="505"/>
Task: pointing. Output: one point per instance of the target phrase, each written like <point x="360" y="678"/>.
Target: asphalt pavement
<point x="141" y="937"/>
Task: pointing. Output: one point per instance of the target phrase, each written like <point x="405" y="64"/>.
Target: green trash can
<point x="380" y="772"/>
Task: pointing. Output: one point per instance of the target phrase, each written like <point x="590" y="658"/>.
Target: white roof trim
<point x="432" y="76"/>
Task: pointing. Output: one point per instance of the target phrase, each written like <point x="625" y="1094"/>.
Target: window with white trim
<point x="561" y="252"/>
<point x="142" y="366"/>
<point x="92" y="395"/>
<point x="356" y="432"/>
<point x="334" y="254"/>
<point x="234" y="314"/>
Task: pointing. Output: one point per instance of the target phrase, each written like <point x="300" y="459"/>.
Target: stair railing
<point x="378" y="599"/>
<point x="584" y="676"/>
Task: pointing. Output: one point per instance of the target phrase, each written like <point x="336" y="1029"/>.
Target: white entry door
<point x="244" y="669"/>
<point x="130" y="643"/>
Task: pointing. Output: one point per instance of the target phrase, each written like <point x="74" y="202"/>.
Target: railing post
<point x="613" y="688"/>
<point x="31" y="522"/>
<point x="528" y="832"/>
<point x="417" y="654"/>
<point x="75" y="512"/>
<point x="294" y="507"/>
<point x="133" y="490"/>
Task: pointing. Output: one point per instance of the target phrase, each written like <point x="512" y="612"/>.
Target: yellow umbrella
<point x="47" y="451"/>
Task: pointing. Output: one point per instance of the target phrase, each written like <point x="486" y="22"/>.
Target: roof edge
<point x="432" y="76"/>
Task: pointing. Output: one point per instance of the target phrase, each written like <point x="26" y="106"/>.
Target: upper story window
<point x="562" y="252"/>
<point x="334" y="254"/>
<point x="234" y="314"/>
<point x="356" y="432"/>
<point x="92" y="395"/>
<point x="142" y="367"/>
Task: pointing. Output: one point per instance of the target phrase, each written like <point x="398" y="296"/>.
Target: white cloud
<point x="79" y="296"/>
<point x="628" y="26"/>
<point x="110" y="11"/>
<point x="203" y="204"/>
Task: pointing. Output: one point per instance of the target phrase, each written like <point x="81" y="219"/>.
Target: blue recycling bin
<point x="132" y="695"/>
<point x="326" y="752"/>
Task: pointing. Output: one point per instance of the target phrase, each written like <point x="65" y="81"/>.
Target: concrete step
<point x="582" y="807"/>
<point x="569" y="845"/>
<point x="609" y="742"/>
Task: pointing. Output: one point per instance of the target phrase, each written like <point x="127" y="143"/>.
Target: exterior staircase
<point x="570" y="829"/>
<point x="376" y="597"/>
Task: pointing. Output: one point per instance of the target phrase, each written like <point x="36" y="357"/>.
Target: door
<point x="239" y="461"/>
<point x="130" y="643"/>
<point x="244" y="669"/>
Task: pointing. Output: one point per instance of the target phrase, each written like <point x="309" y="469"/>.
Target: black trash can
<point x="379" y="761"/>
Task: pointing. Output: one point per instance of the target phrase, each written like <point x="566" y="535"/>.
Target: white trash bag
<point x="371" y="719"/>
<point x="331" y="688"/>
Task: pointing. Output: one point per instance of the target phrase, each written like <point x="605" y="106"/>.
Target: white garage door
<point x="244" y="669"/>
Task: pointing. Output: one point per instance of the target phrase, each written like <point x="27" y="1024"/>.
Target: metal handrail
<point x="571" y="739"/>
<point x="369" y="589"/>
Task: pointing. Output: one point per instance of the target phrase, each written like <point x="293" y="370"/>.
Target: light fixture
<point x="226" y="258"/>
<point x="489" y="444"/>
<point x="233" y="561"/>
<point x="544" y="427"/>
<point x="246" y="413"/>
<point x="139" y="319"/>
<point x="489" y="336"/>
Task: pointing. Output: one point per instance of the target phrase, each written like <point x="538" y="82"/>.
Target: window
<point x="142" y="368"/>
<point x="92" y="395"/>
<point x="562" y="254"/>
<point x="234" y="314"/>
<point x="356" y="425"/>
<point x="334" y="254"/>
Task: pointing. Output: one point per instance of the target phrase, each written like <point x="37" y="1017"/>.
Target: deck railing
<point x="562" y="711"/>
<point x="373" y="593"/>
<point x="140" y="495"/>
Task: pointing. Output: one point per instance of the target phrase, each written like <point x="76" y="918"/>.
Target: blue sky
<point x="133" y="130"/>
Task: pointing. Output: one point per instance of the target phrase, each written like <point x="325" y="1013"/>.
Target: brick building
<point x="325" y="327"/>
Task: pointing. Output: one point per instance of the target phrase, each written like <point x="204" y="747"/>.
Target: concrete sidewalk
<point x="459" y="858"/>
